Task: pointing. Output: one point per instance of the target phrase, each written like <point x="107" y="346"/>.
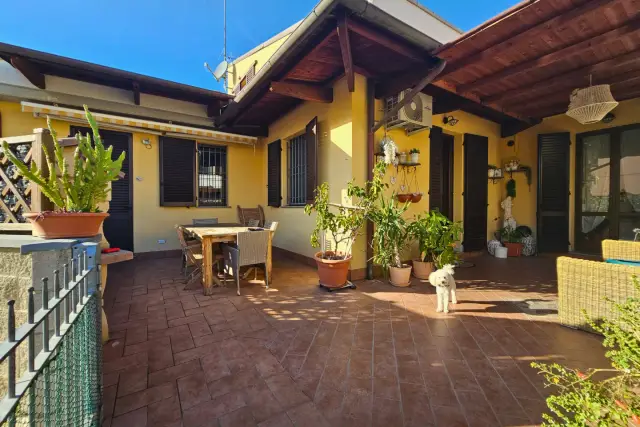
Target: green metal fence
<point x="62" y="382"/>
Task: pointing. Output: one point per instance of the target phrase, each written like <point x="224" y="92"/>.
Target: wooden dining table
<point x="220" y="233"/>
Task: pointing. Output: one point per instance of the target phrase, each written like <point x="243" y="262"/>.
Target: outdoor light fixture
<point x="147" y="143"/>
<point x="608" y="118"/>
<point x="450" y="120"/>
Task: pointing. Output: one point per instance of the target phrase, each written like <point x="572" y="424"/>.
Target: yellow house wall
<point x="152" y="222"/>
<point x="468" y="123"/>
<point x="526" y="149"/>
<point x="261" y="56"/>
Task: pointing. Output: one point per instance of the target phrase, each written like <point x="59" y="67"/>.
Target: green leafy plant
<point x="344" y="223"/>
<point x="509" y="234"/>
<point x="436" y="235"/>
<point x="511" y="188"/>
<point x="87" y="185"/>
<point x="492" y="167"/>
<point x="390" y="235"/>
<point x="414" y="151"/>
<point x="601" y="397"/>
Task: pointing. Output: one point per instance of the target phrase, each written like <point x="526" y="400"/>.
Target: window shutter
<point x="274" y="174"/>
<point x="436" y="175"/>
<point x="177" y="172"/>
<point x="312" y="158"/>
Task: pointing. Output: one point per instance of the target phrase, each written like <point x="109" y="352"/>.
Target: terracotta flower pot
<point x="60" y="225"/>
<point x="332" y="273"/>
<point x="422" y="269"/>
<point x="513" y="249"/>
<point x="416" y="197"/>
<point x="403" y="198"/>
<point x="400" y="276"/>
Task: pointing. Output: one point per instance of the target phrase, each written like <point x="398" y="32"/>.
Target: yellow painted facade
<point x="151" y="221"/>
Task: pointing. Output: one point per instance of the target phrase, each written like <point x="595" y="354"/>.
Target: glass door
<point x="629" y="199"/>
<point x="607" y="186"/>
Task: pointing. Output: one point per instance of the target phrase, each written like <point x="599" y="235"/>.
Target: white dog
<point x="443" y="281"/>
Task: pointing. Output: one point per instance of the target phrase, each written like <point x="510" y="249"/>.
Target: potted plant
<point x="76" y="194"/>
<point x="512" y="240"/>
<point x="390" y="238"/>
<point x="343" y="224"/>
<point x="436" y="235"/>
<point x="492" y="171"/>
<point x="415" y="155"/>
<point x="402" y="158"/>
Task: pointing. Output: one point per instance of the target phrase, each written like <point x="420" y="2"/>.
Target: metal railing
<point x="61" y="384"/>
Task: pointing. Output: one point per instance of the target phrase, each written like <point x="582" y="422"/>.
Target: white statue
<point x="508" y="220"/>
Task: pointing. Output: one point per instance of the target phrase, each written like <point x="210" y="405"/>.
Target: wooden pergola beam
<point x="345" y="49"/>
<point x="386" y="41"/>
<point x="569" y="78"/>
<point x="29" y="70"/>
<point x="554" y="56"/>
<point x="136" y="93"/>
<point x="400" y="81"/>
<point x="303" y="91"/>
<point x="435" y="71"/>
<point x="523" y="38"/>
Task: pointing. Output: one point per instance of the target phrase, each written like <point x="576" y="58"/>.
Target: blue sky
<point x="171" y="39"/>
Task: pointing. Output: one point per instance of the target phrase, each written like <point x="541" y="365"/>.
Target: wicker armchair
<point x="247" y="214"/>
<point x="250" y="249"/>
<point x="596" y="286"/>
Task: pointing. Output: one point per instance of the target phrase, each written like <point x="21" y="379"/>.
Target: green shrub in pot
<point x="436" y="235"/>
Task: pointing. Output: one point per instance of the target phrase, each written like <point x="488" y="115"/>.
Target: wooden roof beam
<point x="30" y="71"/>
<point x="403" y="80"/>
<point x="345" y="49"/>
<point x="306" y="92"/>
<point x="443" y="84"/>
<point x="524" y="37"/>
<point x="554" y="56"/>
<point x="387" y="41"/>
<point x="136" y="92"/>
<point x="572" y="76"/>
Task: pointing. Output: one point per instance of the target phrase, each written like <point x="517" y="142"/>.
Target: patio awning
<point x="135" y="124"/>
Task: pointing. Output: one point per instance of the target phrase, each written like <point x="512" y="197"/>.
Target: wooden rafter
<point x="431" y="75"/>
<point x="549" y="84"/>
<point x="213" y="109"/>
<point x="136" y="93"/>
<point x="30" y="71"/>
<point x="313" y="52"/>
<point x="400" y="81"/>
<point x="523" y="38"/>
<point x="554" y="56"/>
<point x="303" y="91"/>
<point x="386" y="41"/>
<point x="345" y="49"/>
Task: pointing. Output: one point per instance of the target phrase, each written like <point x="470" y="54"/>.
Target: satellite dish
<point x="220" y="70"/>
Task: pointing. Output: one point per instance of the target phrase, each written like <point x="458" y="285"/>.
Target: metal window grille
<point x="60" y="381"/>
<point x="297" y="171"/>
<point x="212" y="175"/>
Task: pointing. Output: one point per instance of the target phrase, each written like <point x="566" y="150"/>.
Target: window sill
<point x="214" y="207"/>
<point x="293" y="206"/>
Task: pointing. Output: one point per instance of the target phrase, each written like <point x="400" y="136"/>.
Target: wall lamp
<point x="450" y="120"/>
<point x="147" y="143"/>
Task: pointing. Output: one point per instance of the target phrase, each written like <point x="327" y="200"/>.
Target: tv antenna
<point x="222" y="69"/>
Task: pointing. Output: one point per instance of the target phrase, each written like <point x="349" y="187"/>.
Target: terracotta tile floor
<point x="300" y="356"/>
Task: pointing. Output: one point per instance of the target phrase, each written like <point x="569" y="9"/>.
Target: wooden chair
<point x="191" y="256"/>
<point x="250" y="249"/>
<point x="247" y="214"/>
<point x="205" y="221"/>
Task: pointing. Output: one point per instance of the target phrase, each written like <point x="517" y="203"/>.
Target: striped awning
<point x="139" y="125"/>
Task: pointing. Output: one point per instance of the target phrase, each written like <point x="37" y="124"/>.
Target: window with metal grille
<point x="297" y="171"/>
<point x="212" y="175"/>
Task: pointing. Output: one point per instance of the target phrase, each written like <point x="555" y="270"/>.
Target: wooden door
<point x="553" y="192"/>
<point x="118" y="227"/>
<point x="476" y="158"/>
<point x="441" y="172"/>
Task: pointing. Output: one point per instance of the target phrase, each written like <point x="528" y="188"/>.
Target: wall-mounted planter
<point x="60" y="225"/>
<point x="404" y="198"/>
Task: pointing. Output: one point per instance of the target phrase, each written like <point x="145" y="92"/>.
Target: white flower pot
<point x="501" y="252"/>
<point x="492" y="173"/>
<point x="402" y="158"/>
<point x="415" y="157"/>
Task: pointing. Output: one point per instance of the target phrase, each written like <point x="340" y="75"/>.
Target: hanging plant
<point x="511" y="188"/>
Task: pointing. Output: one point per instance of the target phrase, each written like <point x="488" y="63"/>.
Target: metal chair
<point x="191" y="255"/>
<point x="247" y="214"/>
<point x="205" y="221"/>
<point x="250" y="249"/>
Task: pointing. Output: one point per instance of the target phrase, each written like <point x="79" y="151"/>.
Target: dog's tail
<point x="449" y="269"/>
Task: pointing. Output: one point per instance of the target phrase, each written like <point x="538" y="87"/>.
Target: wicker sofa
<point x="584" y="284"/>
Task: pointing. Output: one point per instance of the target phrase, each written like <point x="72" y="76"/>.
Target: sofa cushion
<point x="623" y="262"/>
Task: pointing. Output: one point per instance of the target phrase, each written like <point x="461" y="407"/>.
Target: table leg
<point x="207" y="265"/>
<point x="269" y="255"/>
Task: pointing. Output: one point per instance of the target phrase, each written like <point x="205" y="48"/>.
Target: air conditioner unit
<point x="414" y="115"/>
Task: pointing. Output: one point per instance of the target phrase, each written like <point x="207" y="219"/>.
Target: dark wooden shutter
<point x="177" y="172"/>
<point x="476" y="158"/>
<point x="553" y="192"/>
<point x="436" y="169"/>
<point x="312" y="159"/>
<point x="274" y="174"/>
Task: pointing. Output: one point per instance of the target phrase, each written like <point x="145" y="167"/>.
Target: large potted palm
<point x="436" y="235"/>
<point x="390" y="239"/>
<point x="341" y="224"/>
<point x="75" y="193"/>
